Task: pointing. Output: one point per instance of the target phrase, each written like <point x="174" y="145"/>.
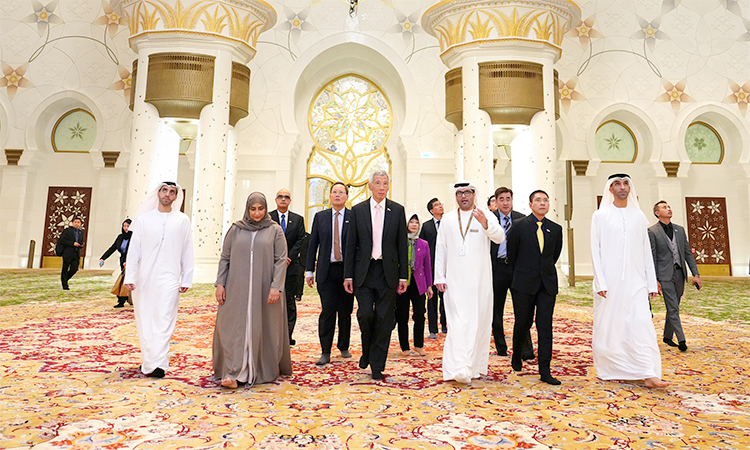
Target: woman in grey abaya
<point x="251" y="342"/>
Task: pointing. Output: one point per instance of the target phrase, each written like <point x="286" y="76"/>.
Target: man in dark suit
<point x="502" y="275"/>
<point x="671" y="250"/>
<point x="534" y="244"/>
<point x="429" y="234"/>
<point x="71" y="240"/>
<point x="376" y="266"/>
<point x="294" y="231"/>
<point x="327" y="240"/>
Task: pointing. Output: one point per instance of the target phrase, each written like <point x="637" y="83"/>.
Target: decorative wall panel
<point x="63" y="204"/>
<point x="708" y="234"/>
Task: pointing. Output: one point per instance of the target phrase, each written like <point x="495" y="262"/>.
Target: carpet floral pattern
<point x="70" y="380"/>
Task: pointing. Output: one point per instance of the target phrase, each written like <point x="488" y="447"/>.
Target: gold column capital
<point x="238" y="20"/>
<point x="460" y="23"/>
<point x="671" y="167"/>
<point x="13" y="155"/>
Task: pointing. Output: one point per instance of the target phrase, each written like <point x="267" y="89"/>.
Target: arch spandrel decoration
<point x="74" y="132"/>
<point x="350" y="120"/>
<point x="615" y="142"/>
<point x="703" y="144"/>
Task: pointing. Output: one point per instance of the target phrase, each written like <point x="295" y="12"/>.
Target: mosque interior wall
<point x="656" y="66"/>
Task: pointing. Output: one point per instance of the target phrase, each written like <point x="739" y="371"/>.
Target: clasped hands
<point x="221" y="295"/>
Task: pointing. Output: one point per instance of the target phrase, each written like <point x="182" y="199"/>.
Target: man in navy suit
<point x="534" y="244"/>
<point x="71" y="240"/>
<point x="294" y="231"/>
<point x="435" y="303"/>
<point x="377" y="268"/>
<point x="502" y="275"/>
<point x="328" y="236"/>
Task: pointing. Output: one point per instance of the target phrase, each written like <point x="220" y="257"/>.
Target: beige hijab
<point x="247" y="223"/>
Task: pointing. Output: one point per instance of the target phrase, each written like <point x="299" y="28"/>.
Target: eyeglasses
<point x="283" y="197"/>
<point x="464" y="193"/>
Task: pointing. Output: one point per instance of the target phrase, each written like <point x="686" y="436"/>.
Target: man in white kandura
<point x="159" y="267"/>
<point x="624" y="338"/>
<point x="463" y="270"/>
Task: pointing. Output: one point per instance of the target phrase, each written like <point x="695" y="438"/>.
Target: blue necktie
<point x="283" y="223"/>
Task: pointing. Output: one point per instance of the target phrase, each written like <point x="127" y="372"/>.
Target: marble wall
<point x="654" y="65"/>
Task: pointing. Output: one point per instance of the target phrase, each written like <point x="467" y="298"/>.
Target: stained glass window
<point x="703" y="144"/>
<point x="75" y="132"/>
<point x="615" y="142"/>
<point x="350" y="121"/>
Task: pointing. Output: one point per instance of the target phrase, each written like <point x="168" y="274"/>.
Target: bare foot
<point x="420" y="351"/>
<point x="229" y="383"/>
<point x="655" y="382"/>
<point x="406" y="353"/>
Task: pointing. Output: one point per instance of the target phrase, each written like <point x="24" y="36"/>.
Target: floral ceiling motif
<point x="43" y="15"/>
<point x="13" y="79"/>
<point x="584" y="31"/>
<point x="675" y="94"/>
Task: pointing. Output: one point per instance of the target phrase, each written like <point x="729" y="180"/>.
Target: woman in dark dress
<point x="121" y="245"/>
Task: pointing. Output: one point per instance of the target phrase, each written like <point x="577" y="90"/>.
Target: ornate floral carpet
<point x="70" y="380"/>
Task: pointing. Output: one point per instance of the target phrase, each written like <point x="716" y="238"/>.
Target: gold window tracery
<point x="350" y="121"/>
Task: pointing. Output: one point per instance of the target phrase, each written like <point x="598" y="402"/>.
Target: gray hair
<point x="380" y="173"/>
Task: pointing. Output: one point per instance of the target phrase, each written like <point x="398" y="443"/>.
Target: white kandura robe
<point x="468" y="296"/>
<point x="624" y="339"/>
<point x="159" y="262"/>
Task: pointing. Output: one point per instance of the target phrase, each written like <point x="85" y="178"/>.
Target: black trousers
<point x="404" y="302"/>
<point x="290" y="291"/>
<point x="69" y="268"/>
<point x="524" y="306"/>
<point x="433" y="305"/>
<point x="334" y="301"/>
<point x="376" y="315"/>
<point x="502" y="278"/>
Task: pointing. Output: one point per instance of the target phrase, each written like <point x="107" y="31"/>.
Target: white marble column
<point x="154" y="147"/>
<point x="458" y="156"/>
<point x="537" y="169"/>
<point x="210" y="173"/>
<point x="584" y="205"/>
<point x="477" y="132"/>
<point x="230" y="185"/>
<point x="522" y="168"/>
<point x="108" y="198"/>
<point x="670" y="190"/>
<point x="16" y="184"/>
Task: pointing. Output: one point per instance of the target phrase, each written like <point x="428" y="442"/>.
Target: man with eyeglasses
<point x="294" y="231"/>
<point x="435" y="304"/>
<point x="534" y="244"/>
<point x="463" y="271"/>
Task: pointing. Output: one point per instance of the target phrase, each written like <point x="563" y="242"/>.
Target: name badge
<point x="473" y="231"/>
